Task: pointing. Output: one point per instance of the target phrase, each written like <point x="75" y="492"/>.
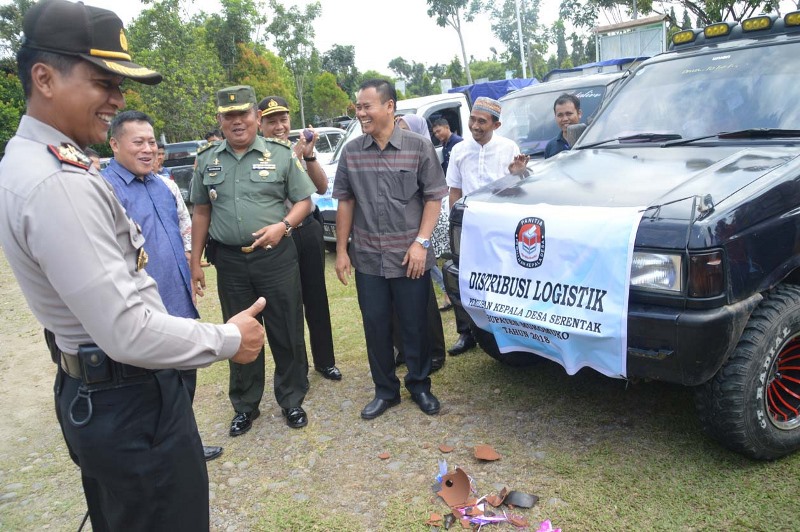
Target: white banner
<point x="551" y="280"/>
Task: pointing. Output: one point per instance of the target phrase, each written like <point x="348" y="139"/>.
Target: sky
<point x="380" y="30"/>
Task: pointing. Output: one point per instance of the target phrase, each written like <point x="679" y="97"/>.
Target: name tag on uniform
<point x="215" y="168"/>
<point x="264" y="166"/>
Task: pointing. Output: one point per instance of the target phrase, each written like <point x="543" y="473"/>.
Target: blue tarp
<point x="493" y="89"/>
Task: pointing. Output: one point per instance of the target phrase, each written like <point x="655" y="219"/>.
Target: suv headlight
<point x="656" y="271"/>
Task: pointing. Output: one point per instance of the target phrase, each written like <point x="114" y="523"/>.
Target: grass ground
<point x="601" y="453"/>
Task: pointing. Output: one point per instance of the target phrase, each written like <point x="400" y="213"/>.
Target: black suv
<point x="179" y="157"/>
<point x="705" y="138"/>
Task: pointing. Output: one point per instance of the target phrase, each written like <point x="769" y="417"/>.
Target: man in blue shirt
<point x="567" y="111"/>
<point x="441" y="129"/>
<point x="150" y="203"/>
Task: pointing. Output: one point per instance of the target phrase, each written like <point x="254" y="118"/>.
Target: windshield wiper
<point x="753" y="133"/>
<point x="639" y="137"/>
<point x="760" y="133"/>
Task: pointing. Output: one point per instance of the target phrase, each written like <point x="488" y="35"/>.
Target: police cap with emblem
<point x="237" y="98"/>
<point x="91" y="33"/>
<point x="273" y="104"/>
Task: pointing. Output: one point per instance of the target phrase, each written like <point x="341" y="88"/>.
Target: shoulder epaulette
<point x="67" y="153"/>
<point x="204" y="147"/>
<point x="279" y="141"/>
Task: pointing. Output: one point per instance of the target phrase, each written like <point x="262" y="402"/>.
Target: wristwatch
<point x="424" y="242"/>
<point x="288" y="227"/>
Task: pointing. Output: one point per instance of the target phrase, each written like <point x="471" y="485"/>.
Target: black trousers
<point x="311" y="260"/>
<point x="140" y="455"/>
<point x="462" y="320"/>
<point x="241" y="279"/>
<point x="435" y="330"/>
<point x="377" y="297"/>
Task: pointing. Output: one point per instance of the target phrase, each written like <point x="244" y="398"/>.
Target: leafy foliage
<point x="11" y="25"/>
<point x="183" y="105"/>
<point x="452" y="13"/>
<point x="341" y="62"/>
<point x="293" y="34"/>
<point x="329" y="99"/>
<point x="265" y="72"/>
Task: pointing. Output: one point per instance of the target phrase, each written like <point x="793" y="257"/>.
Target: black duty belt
<point x="97" y="373"/>
<point x="111" y="372"/>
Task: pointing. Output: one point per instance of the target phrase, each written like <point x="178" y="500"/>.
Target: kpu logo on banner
<point x="530" y="242"/>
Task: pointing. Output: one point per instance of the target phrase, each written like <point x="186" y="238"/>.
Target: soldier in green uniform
<point x="239" y="191"/>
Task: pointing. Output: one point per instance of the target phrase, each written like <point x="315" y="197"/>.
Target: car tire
<point x="517" y="359"/>
<point x="752" y="404"/>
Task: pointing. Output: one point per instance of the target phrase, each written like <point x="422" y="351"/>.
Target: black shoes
<point x="437" y="363"/>
<point x="242" y="422"/>
<point x="377" y="406"/>
<point x="427" y="402"/>
<point x="330" y="373"/>
<point x="210" y="452"/>
<point x="296" y="417"/>
<point x="464" y="343"/>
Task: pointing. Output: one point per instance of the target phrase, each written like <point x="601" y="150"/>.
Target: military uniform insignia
<point x="67" y="153"/>
<point x="141" y="260"/>
<point x="280" y="141"/>
<point x="263" y="173"/>
<point x="204" y="147"/>
<point x="212" y="194"/>
<point x="267" y="154"/>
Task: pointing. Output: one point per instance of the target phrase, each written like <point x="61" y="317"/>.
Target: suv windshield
<point x="528" y="120"/>
<point x="702" y="95"/>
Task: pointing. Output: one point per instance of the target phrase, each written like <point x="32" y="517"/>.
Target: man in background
<point x="567" y="111"/>
<point x="441" y="129"/>
<point x="308" y="238"/>
<point x="150" y="203"/>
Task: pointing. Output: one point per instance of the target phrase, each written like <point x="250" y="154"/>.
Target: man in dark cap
<point x="79" y="260"/>
<point x="239" y="190"/>
<point x="308" y="239"/>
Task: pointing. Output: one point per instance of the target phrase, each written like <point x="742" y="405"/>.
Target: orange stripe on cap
<point x="127" y="71"/>
<point x="109" y="55"/>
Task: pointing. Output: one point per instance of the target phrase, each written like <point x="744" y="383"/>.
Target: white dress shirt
<point x="473" y="166"/>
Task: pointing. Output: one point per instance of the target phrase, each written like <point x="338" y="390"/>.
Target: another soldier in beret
<point x="80" y="262"/>
<point x="308" y="238"/>
<point x="239" y="191"/>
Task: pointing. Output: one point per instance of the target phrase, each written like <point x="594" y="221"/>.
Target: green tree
<point x="329" y="99"/>
<point x="504" y="26"/>
<point x="488" y="69"/>
<point x="11" y="26"/>
<point x="184" y="104"/>
<point x="561" y="42"/>
<point x="341" y="62"/>
<point x="686" y="23"/>
<point x="451" y="13"/>
<point x="12" y="102"/>
<point x="455" y="72"/>
<point x="232" y="28"/>
<point x="265" y="72"/>
<point x="293" y="33"/>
